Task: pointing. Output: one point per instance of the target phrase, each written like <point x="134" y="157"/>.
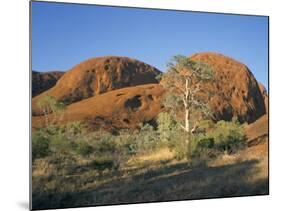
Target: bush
<point x="201" y="146"/>
<point x="104" y="144"/>
<point x="59" y="143"/>
<point x="74" y="130"/>
<point x="166" y="126"/>
<point x="40" y="146"/>
<point x="147" y="139"/>
<point x="84" y="149"/>
<point x="223" y="137"/>
<point x="126" y="142"/>
<point x="177" y="143"/>
<point x="180" y="150"/>
<point x="229" y="136"/>
<point x="102" y="164"/>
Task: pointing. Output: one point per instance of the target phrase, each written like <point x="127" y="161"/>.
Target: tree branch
<point x="183" y="127"/>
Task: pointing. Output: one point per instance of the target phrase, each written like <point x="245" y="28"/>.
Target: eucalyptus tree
<point x="185" y="87"/>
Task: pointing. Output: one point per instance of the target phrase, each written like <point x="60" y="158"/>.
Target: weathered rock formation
<point x="96" y="76"/>
<point x="122" y="108"/>
<point x="42" y="81"/>
<point x="235" y="89"/>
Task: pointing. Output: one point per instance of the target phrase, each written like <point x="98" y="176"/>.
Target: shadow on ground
<point x="173" y="182"/>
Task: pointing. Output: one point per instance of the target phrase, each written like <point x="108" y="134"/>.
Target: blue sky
<point x="66" y="34"/>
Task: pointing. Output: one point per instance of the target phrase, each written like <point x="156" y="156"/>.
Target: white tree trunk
<point x="186" y="105"/>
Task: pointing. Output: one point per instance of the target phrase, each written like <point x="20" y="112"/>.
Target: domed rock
<point x="235" y="89"/>
<point x="122" y="108"/>
<point x="96" y="76"/>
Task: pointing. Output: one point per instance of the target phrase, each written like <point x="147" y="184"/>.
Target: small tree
<point x="50" y="105"/>
<point x="165" y="124"/>
<point x="183" y="82"/>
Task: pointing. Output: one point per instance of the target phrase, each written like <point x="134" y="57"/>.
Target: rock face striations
<point x="235" y="89"/>
<point x="99" y="75"/>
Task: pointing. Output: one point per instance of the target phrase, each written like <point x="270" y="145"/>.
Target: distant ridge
<point x="42" y="81"/>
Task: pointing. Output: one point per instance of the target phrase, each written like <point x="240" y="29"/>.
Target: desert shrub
<point x="205" y="126"/>
<point x="229" y="136"/>
<point x="40" y="146"/>
<point x="104" y="144"/>
<point x="83" y="149"/>
<point x="180" y="150"/>
<point x="50" y="104"/>
<point x="101" y="164"/>
<point x="132" y="142"/>
<point x="126" y="142"/>
<point x="166" y="126"/>
<point x="178" y="144"/>
<point x="62" y="164"/>
<point x="171" y="133"/>
<point x="222" y="137"/>
<point x="59" y="143"/>
<point x="147" y="139"/>
<point x="176" y="141"/>
<point x="73" y="130"/>
<point x="201" y="146"/>
<point x="64" y="139"/>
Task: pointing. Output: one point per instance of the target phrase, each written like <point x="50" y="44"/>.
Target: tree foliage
<point x="50" y="105"/>
<point x="166" y="126"/>
<point x="184" y="82"/>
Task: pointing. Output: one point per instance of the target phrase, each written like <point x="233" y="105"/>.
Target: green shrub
<point x="126" y="143"/>
<point x="222" y="137"/>
<point x="40" y="146"/>
<point x="147" y="139"/>
<point x="132" y="142"/>
<point x="102" y="164"/>
<point x="180" y="150"/>
<point x="84" y="149"/>
<point x="229" y="136"/>
<point x="59" y="143"/>
<point x="105" y="144"/>
<point x="166" y="126"/>
<point x="74" y="130"/>
<point x="201" y="146"/>
<point x="205" y="126"/>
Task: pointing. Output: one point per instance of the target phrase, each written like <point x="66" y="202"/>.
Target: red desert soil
<point x="122" y="108"/>
<point x="42" y="81"/>
<point x="96" y="76"/>
<point x="236" y="91"/>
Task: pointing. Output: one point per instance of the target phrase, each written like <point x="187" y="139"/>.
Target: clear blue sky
<point x="66" y="34"/>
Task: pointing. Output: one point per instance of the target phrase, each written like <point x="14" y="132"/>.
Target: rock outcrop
<point x="235" y="89"/>
<point x="96" y="76"/>
<point x="122" y="108"/>
<point x="42" y="81"/>
<point x="95" y="95"/>
<point x="265" y="96"/>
